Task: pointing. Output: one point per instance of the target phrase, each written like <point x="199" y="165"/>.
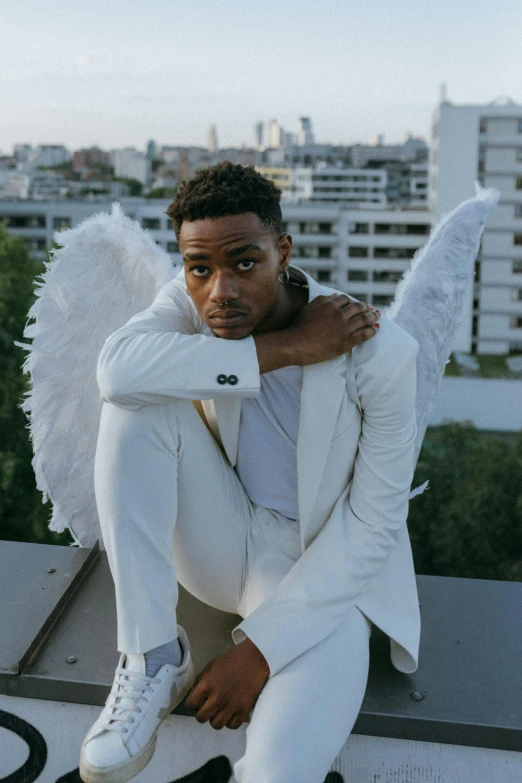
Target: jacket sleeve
<point x="355" y="541"/>
<point x="159" y="355"/>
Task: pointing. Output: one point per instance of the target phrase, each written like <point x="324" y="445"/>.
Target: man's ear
<point x="285" y="251"/>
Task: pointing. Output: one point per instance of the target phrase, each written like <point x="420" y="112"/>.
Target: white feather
<point x="429" y="299"/>
<point x="107" y="270"/>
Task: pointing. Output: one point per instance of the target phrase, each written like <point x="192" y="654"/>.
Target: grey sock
<point x="170" y="652"/>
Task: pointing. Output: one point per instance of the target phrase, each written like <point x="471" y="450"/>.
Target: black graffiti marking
<point x="71" y="777"/>
<point x="216" y="770"/>
<point x="37" y="758"/>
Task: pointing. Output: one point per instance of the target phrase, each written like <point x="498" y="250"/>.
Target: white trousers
<point x="172" y="508"/>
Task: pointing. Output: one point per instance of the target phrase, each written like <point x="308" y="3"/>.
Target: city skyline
<point x="91" y="75"/>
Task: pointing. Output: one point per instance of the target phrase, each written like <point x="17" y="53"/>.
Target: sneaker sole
<point x="121" y="773"/>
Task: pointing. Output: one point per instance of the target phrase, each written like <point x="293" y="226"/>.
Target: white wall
<point x="490" y="404"/>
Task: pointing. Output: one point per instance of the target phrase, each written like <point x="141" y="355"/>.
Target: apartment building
<point x="484" y="143"/>
<point x="363" y="250"/>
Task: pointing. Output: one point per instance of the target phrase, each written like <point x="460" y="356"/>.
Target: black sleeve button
<point x="222" y="379"/>
<point x="232" y="379"/>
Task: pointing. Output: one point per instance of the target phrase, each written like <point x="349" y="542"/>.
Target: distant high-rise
<point x="152" y="150"/>
<point x="259" y="133"/>
<point x="305" y="134"/>
<point x="212" y="138"/>
<point x="275" y="135"/>
<point x="484" y="143"/>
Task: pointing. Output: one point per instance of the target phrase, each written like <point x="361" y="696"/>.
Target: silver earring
<point x="286" y="277"/>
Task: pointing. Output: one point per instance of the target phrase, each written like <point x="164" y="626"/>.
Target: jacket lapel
<point x="322" y="392"/>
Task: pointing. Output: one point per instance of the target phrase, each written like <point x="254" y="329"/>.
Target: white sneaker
<point x="123" y="739"/>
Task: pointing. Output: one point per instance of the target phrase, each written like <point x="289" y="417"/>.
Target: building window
<point x="306" y="252"/>
<point x="359" y="228"/>
<point x="515" y="322"/>
<point x="361" y="296"/>
<point x="152" y="223"/>
<point x="394" y="252"/>
<point x="358" y="252"/>
<point x="517" y="267"/>
<point x="483" y="126"/>
<point x="516" y="295"/>
<point x="387" y="276"/>
<point x="357" y="275"/>
<point x="323" y="275"/>
<point x="517" y="239"/>
<point x="415" y="229"/>
<point x="383" y="299"/>
<point x="59" y="223"/>
<point x="520" y="126"/>
<point x="36" y="243"/>
<point x="24" y="221"/>
<point x="325" y="252"/>
<point x="172" y="247"/>
<point x="519" y="183"/>
<point x="519" y="154"/>
<point x="325" y="228"/>
<point x="518" y="210"/>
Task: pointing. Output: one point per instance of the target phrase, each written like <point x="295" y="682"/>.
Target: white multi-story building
<point x="132" y="164"/>
<point x="305" y="133"/>
<point x="50" y="155"/>
<point x="14" y="184"/>
<point x="212" y="138"/>
<point x="484" y="143"/>
<point x="275" y="135"/>
<point x="339" y="185"/>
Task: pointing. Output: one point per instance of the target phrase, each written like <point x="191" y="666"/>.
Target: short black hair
<point x="227" y="189"/>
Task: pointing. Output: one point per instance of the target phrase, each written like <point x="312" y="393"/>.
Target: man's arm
<point x="159" y="355"/>
<point x="354" y="543"/>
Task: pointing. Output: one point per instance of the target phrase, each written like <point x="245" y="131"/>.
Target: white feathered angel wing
<point x="429" y="299"/>
<point x="107" y="270"/>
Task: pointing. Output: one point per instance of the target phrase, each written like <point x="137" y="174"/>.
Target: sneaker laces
<point x="128" y="687"/>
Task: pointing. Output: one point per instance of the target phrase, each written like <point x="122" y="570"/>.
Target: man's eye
<point x="249" y="264"/>
<point x="199" y="271"/>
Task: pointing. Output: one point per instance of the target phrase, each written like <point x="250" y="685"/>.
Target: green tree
<point x="469" y="522"/>
<point x="134" y="185"/>
<point x="23" y="517"/>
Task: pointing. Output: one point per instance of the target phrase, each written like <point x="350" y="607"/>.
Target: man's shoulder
<point x="376" y="359"/>
<point x="390" y="341"/>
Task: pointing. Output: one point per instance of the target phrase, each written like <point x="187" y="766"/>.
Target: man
<point x="284" y="500"/>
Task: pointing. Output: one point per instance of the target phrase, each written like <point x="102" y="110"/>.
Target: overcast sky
<point x="120" y="72"/>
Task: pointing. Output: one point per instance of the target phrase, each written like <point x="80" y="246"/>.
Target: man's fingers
<point x="197" y="696"/>
<point x="220" y="720"/>
<point x="361" y="335"/>
<point x="362" y="320"/>
<point x="235" y="722"/>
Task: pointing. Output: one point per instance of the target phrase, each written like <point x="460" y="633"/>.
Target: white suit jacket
<point x="354" y="463"/>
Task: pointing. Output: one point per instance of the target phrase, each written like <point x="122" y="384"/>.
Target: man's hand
<point x="228" y="687"/>
<point x="330" y="326"/>
<point x="325" y="328"/>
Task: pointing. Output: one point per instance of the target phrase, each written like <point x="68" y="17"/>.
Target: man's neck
<point x="291" y="299"/>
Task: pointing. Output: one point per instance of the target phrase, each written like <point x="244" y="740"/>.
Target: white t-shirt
<point x="267" y="446"/>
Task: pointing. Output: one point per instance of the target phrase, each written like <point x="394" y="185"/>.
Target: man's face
<point x="232" y="267"/>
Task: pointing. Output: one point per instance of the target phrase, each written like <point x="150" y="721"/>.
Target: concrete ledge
<point x="467" y="690"/>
